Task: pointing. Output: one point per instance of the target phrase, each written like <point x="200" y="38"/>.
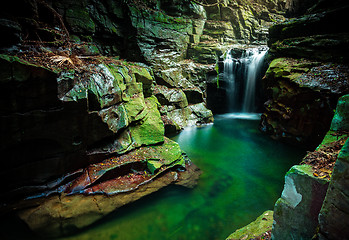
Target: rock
<point x="255" y="229"/>
<point x="340" y="121"/>
<point x="143" y="75"/>
<point x="334" y="212"/>
<point x="151" y="129"/>
<point x="314" y="36"/>
<point x="193" y="95"/>
<point x="205" y="53"/>
<point x="122" y="180"/>
<point x="79" y="20"/>
<point x="296" y="212"/>
<point x="301" y="97"/>
<point x="12" y="31"/>
<point x="189" y="178"/>
<point x="201" y="113"/>
<point x="82" y="136"/>
<point x="296" y="8"/>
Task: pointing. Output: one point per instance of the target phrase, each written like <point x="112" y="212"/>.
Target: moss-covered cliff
<point x="306" y="79"/>
<point x="307" y="76"/>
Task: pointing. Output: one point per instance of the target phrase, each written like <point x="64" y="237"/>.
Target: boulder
<point x="296" y="212"/>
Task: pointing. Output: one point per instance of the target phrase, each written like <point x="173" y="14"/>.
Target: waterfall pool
<point x="243" y="175"/>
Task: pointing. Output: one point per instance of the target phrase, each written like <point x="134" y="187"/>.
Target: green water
<point x="243" y="175"/>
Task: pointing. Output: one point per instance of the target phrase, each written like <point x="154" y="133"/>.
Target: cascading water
<point x="242" y="75"/>
<point x="229" y="76"/>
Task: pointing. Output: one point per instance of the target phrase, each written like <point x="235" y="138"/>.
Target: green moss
<point x="340" y="120"/>
<point x="217" y="71"/>
<point x="179" y="24"/>
<point x="79" y="20"/>
<point x="255" y="229"/>
<point x="142" y="75"/>
<point x="329" y="138"/>
<point x="168" y="154"/>
<point x="289" y="68"/>
<point x="301" y="169"/>
<point x="76" y="93"/>
<point x="151" y="129"/>
<point x="136" y="108"/>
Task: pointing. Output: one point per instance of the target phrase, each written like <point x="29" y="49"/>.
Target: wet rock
<point x="334" y="216"/>
<point x="79" y="20"/>
<point x="201" y="113"/>
<point x="255" y="229"/>
<point x="314" y="36"/>
<point x="173" y="96"/>
<point x="296" y="8"/>
<point x="90" y="193"/>
<point x="340" y="120"/>
<point x="194" y="95"/>
<point x="301" y="99"/>
<point x="296" y="212"/>
<point x="78" y="134"/>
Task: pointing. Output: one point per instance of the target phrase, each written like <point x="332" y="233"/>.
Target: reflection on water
<point x="243" y="174"/>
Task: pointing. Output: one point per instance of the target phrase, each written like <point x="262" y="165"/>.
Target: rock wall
<point x="87" y="134"/>
<point x="312" y="203"/>
<point x="307" y="76"/>
<point x="333" y="217"/>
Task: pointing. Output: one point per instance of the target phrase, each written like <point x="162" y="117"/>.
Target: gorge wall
<point x="307" y="76"/>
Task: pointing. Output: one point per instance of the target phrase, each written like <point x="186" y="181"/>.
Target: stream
<point x="243" y="175"/>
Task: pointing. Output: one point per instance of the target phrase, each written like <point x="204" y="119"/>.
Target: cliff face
<point x="303" y="88"/>
<point x="307" y="76"/>
<point x="90" y="134"/>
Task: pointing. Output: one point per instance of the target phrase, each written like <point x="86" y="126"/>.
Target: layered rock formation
<point x="301" y="211"/>
<point x="308" y="75"/>
<point x="304" y="85"/>
<point x="82" y="142"/>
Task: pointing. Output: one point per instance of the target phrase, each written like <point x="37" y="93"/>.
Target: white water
<point x="230" y="65"/>
<point x="242" y="75"/>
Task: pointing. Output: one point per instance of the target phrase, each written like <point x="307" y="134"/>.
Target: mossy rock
<point x="116" y="117"/>
<point x="144" y="77"/>
<point x="79" y="20"/>
<point x="295" y="213"/>
<point x="168" y="154"/>
<point x="151" y="129"/>
<point x="288" y="68"/>
<point x="136" y="108"/>
<point x="330" y="137"/>
<point x="340" y="121"/>
<point x="255" y="229"/>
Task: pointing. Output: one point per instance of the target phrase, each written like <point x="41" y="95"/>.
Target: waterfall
<point x="242" y="75"/>
<point x="229" y="76"/>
